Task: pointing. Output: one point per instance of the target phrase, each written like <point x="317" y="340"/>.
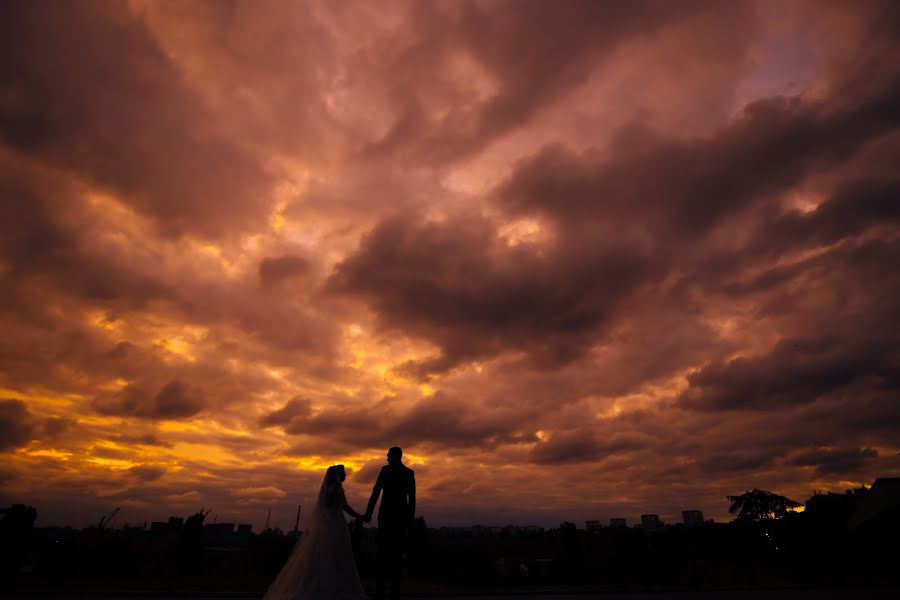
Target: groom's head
<point x="394" y="455"/>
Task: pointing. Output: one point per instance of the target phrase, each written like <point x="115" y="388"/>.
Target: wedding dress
<point x="321" y="565"/>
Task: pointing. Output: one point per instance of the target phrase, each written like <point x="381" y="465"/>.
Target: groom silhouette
<point x="398" y="507"/>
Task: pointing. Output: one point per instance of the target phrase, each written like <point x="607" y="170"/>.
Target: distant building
<point x="650" y="522"/>
<point x="618" y="523"/>
<point x="593" y="526"/>
<point x="173" y="524"/>
<point x="692" y="518"/>
<point x="220" y="528"/>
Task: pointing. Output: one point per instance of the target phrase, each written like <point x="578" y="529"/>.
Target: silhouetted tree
<point x="760" y="505"/>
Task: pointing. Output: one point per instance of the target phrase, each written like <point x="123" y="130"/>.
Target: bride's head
<point x="338" y="472"/>
<point x="330" y="492"/>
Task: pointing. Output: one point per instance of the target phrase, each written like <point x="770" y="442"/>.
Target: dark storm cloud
<point x="623" y="219"/>
<point x="871" y="414"/>
<point x="45" y="239"/>
<point x="534" y="52"/>
<point x="147" y="473"/>
<point x="16" y="424"/>
<point x="456" y="285"/>
<point x="737" y="461"/>
<point x="19" y="425"/>
<point x="772" y="444"/>
<point x="175" y="400"/>
<point x="53" y="427"/>
<point x="854" y="207"/>
<point x="294" y="408"/>
<point x="793" y="372"/>
<point x="31" y="234"/>
<point x="100" y="98"/>
<point x="839" y="345"/>
<point x="587" y="446"/>
<point x="438" y="420"/>
<point x="833" y="461"/>
<point x="680" y="188"/>
<point x="449" y="422"/>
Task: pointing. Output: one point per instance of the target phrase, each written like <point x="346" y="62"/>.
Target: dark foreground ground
<point x="808" y="555"/>
<point x="772" y="594"/>
<point x="792" y="594"/>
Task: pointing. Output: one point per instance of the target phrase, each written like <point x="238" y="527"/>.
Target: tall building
<point x="692" y="518"/>
<point x="618" y="523"/>
<point x="592" y="526"/>
<point x="650" y="522"/>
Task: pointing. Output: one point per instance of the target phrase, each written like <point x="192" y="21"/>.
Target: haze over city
<point x="579" y="260"/>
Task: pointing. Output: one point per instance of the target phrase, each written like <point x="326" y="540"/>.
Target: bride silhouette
<point x="321" y="565"/>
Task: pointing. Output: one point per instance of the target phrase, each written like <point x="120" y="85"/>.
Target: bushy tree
<point x="760" y="505"/>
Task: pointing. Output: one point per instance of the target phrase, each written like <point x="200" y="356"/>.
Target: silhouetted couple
<point x="321" y="566"/>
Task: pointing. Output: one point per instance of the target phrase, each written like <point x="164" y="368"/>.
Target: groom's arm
<point x="376" y="490"/>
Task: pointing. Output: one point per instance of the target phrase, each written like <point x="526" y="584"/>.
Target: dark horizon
<point x="841" y="542"/>
<point x="120" y="518"/>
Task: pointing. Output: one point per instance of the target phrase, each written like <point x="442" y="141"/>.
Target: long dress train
<point x="321" y="565"/>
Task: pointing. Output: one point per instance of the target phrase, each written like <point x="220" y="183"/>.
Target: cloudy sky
<point x="580" y="260"/>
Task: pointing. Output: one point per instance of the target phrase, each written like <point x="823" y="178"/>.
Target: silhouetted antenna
<point x="297" y="522"/>
<point x="267" y="519"/>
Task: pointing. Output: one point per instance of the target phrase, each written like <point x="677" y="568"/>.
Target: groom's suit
<point x="397" y="485"/>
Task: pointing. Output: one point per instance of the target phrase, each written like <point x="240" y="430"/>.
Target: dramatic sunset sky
<point x="580" y="260"/>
